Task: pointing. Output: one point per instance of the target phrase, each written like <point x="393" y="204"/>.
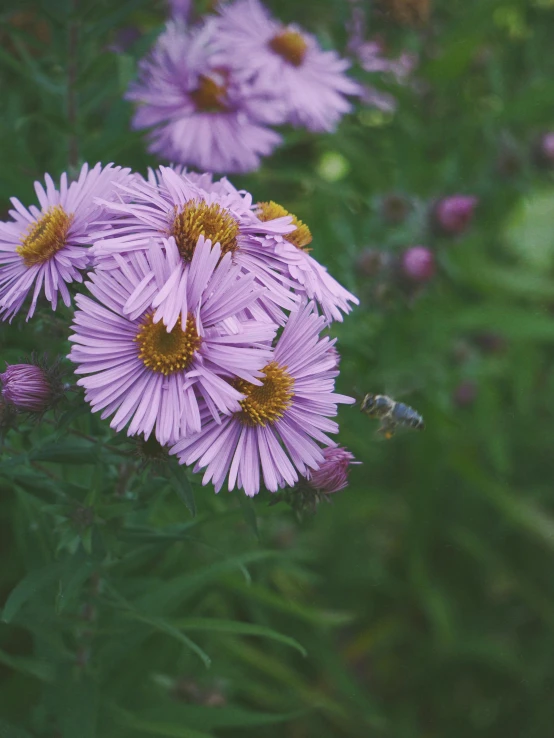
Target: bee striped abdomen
<point x="406" y="415"/>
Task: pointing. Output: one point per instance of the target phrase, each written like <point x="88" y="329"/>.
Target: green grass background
<point x="420" y="604"/>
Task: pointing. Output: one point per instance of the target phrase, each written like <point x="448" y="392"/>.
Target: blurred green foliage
<point x="420" y="604"/>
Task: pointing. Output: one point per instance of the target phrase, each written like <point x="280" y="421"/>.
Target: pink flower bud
<point x="465" y="393"/>
<point x="332" y="475"/>
<point x="418" y="264"/>
<point x="454" y="214"/>
<point x="26" y="387"/>
<point x="547" y="147"/>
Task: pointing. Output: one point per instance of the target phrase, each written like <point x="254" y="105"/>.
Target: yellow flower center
<point x="209" y="97"/>
<point x="266" y="404"/>
<point x="197" y="218"/>
<point x="300" y="238"/>
<point x="165" y="352"/>
<point x="290" y="45"/>
<point x="45" y="237"/>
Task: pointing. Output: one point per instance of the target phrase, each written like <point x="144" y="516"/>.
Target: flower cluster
<point x="208" y="93"/>
<point x="204" y="323"/>
<point x="405" y="274"/>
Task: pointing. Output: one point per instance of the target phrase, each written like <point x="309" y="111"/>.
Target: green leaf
<point x="164" y="627"/>
<point x="236" y="627"/>
<point x="249" y="514"/>
<point x="201" y="718"/>
<point x="42" y="670"/>
<point x="79" y="568"/>
<point x="169" y="594"/>
<point x="79" y="712"/>
<point x="181" y="485"/>
<point x="157" y="727"/>
<point x="69" y="452"/>
<point x="278" y="602"/>
<point x="7" y="730"/>
<point x="30" y="586"/>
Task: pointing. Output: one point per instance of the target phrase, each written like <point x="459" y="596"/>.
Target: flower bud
<point x="370" y="262"/>
<point x="545" y="149"/>
<point x="465" y="393"/>
<point x="454" y="214"/>
<point x="26" y="387"/>
<point x="332" y="475"/>
<point x="395" y="208"/>
<point x="418" y="264"/>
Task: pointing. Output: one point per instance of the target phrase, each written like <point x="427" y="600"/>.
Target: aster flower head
<point x="308" y="275"/>
<point x="332" y="474"/>
<point x="171" y="204"/>
<point x="46" y="249"/>
<point x="288" y="61"/>
<point x="28" y="387"/>
<point x="151" y="374"/>
<point x="199" y="112"/>
<point x="275" y="435"/>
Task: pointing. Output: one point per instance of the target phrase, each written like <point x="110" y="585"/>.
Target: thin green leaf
<point x="236" y="627"/>
<point x="277" y="602"/>
<point x="249" y="514"/>
<point x="158" y="728"/>
<point x="30" y="586"/>
<point x="183" y="488"/>
<point x="164" y="627"/>
<point x="42" y="670"/>
<point x="201" y="718"/>
<point x="70" y="452"/>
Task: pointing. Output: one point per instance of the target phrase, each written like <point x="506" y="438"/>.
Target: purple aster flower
<point x="199" y="112"/>
<point x="26" y="387"/>
<point x="152" y="376"/>
<point x="288" y="61"/>
<point x="280" y="423"/>
<point x="171" y="204"/>
<point x="309" y="276"/>
<point x="332" y="474"/>
<point x="47" y="248"/>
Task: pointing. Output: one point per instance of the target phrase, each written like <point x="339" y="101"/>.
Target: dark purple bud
<point x="545" y="149"/>
<point x="490" y="343"/>
<point x="123" y="39"/>
<point x="82" y="517"/>
<point x="332" y="475"/>
<point x="26" y="387"/>
<point x="418" y="264"/>
<point x="465" y="393"/>
<point x="509" y="162"/>
<point x="395" y="208"/>
<point x="454" y="214"/>
<point x="370" y="262"/>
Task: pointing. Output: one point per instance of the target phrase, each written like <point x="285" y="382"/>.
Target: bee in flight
<point x="392" y="414"/>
